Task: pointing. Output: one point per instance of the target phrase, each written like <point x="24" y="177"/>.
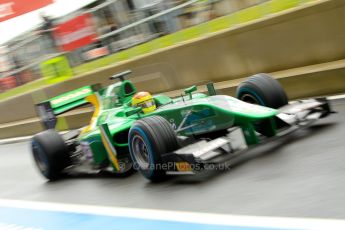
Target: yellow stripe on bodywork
<point x="109" y="148"/>
<point x="95" y="101"/>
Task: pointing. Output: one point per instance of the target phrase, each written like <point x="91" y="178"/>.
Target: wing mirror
<point x="190" y="90"/>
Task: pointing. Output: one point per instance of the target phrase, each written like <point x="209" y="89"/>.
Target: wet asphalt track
<point x="302" y="175"/>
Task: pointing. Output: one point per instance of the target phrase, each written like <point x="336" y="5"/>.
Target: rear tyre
<point x="50" y="154"/>
<point x="149" y="138"/>
<point x="263" y="90"/>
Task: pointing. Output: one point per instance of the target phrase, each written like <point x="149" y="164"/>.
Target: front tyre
<point x="149" y="138"/>
<point x="263" y="90"/>
<point x="50" y="154"/>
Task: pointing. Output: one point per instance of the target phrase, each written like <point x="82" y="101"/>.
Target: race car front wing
<point x="191" y="158"/>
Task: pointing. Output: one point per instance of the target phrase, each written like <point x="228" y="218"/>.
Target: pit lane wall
<point x="302" y="47"/>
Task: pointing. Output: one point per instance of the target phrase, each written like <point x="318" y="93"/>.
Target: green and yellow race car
<point x="158" y="135"/>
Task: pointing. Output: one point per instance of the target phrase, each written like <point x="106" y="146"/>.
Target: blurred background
<point x="102" y="28"/>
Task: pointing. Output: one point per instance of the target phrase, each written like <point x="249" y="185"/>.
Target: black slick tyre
<point x="149" y="138"/>
<point x="50" y="154"/>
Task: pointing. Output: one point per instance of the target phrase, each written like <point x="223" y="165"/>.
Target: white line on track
<point x="336" y="97"/>
<point x="15" y="140"/>
<point x="181" y="216"/>
<point x="19" y="139"/>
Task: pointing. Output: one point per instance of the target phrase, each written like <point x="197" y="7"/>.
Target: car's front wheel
<point x="149" y="138"/>
<point x="263" y="90"/>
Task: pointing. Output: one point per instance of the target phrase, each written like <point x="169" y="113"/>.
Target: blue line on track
<point x="51" y="220"/>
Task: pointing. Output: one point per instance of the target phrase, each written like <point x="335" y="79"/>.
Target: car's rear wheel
<point x="149" y="138"/>
<point x="50" y="154"/>
<point x="263" y="90"/>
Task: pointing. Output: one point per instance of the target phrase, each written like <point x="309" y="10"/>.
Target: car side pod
<point x="192" y="157"/>
<point x="109" y="146"/>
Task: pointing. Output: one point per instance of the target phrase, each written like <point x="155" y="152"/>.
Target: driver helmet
<point x="145" y="101"/>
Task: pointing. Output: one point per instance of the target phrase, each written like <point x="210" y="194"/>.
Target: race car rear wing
<point x="49" y="109"/>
